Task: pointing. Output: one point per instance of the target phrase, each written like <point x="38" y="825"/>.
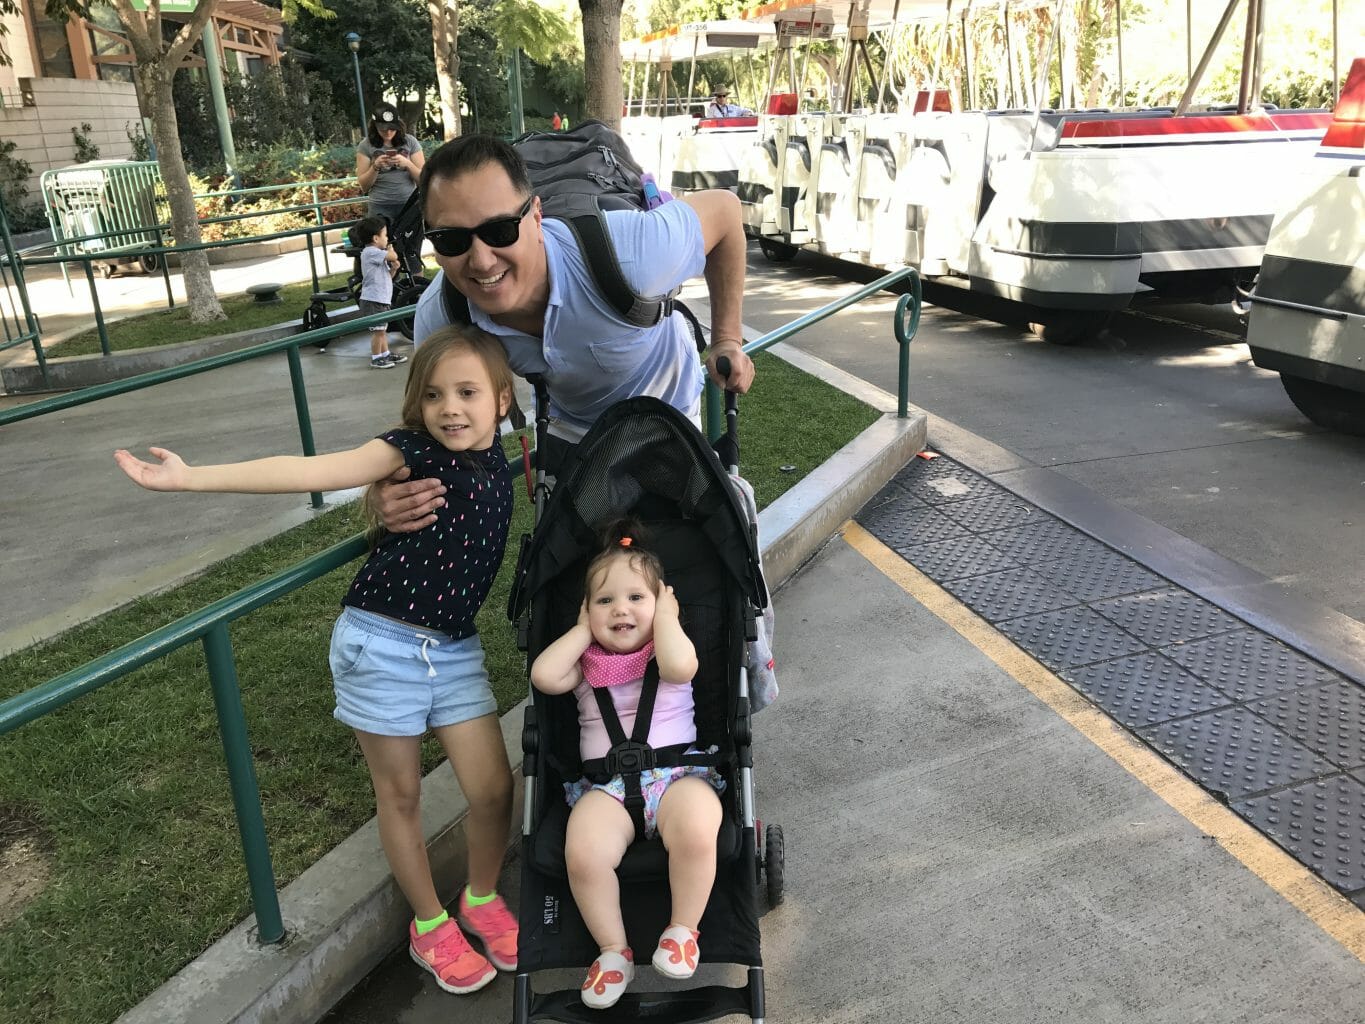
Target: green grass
<point x="171" y="326"/>
<point x="125" y="791"/>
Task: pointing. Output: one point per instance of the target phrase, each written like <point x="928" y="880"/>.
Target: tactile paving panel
<point x="901" y="524"/>
<point x="1329" y="719"/>
<point x="1008" y="594"/>
<point x="1072" y="636"/>
<point x="1233" y="753"/>
<point x="1144" y="689"/>
<point x="1096" y="573"/>
<point x="1167" y="616"/>
<point x="953" y="559"/>
<point x="991" y="512"/>
<point x="893" y="491"/>
<point x="1044" y="540"/>
<point x="1248" y="665"/>
<point x="1321" y="823"/>
<point x="941" y="480"/>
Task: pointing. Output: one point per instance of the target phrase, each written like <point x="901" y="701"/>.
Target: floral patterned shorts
<point x="653" y="784"/>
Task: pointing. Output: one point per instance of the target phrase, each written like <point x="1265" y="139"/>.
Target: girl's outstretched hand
<point x="171" y="474"/>
<point x="664" y="601"/>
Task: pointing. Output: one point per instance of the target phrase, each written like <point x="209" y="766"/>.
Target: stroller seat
<point x="645" y="459"/>
<point x="645" y="860"/>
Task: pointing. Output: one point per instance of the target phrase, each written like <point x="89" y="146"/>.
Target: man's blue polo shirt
<point x="590" y="358"/>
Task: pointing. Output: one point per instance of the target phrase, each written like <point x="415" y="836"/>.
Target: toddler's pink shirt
<point x="671" y="724"/>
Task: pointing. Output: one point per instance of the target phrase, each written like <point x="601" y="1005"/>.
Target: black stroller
<point x="405" y="235"/>
<point x="646" y="459"/>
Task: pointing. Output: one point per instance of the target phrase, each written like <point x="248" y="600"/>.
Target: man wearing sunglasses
<point x="526" y="281"/>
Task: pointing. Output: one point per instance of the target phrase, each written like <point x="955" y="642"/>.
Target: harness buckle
<point x="629" y="758"/>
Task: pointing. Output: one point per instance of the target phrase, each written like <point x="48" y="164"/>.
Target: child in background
<point x="378" y="262"/>
<point x="628" y="618"/>
<point x="405" y="654"/>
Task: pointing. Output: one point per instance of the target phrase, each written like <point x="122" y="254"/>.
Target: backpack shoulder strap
<point x="599" y="253"/>
<point x="453" y="302"/>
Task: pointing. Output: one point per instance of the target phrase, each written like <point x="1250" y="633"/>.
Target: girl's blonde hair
<point x="439" y="344"/>
<point x="623" y="538"/>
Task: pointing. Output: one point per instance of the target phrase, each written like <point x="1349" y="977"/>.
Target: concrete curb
<point x="345" y="914"/>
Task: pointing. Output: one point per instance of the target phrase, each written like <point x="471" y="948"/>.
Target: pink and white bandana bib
<point x="603" y="668"/>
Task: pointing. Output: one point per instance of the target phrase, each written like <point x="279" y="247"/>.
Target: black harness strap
<point x="629" y="757"/>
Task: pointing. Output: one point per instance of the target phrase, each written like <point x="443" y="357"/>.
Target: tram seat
<point x="782" y="103"/>
<point x="943" y="102"/>
<point x="880" y="234"/>
<point x="758" y="175"/>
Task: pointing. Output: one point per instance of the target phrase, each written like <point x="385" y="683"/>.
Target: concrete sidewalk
<point x="958" y="849"/>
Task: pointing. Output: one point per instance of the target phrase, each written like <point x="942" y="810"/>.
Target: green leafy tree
<point x="395" y="53"/>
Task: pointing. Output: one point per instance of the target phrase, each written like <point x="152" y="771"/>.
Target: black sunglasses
<point x="498" y="233"/>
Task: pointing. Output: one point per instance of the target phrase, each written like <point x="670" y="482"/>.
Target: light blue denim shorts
<point x="393" y="679"/>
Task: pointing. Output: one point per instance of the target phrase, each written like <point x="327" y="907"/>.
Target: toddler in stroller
<point x="405" y="238"/>
<point x="642" y="459"/>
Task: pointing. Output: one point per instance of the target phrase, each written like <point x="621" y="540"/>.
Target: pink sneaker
<point x="677" y="954"/>
<point x="607" y="979"/>
<point x="446" y="953"/>
<point x="494" y="926"/>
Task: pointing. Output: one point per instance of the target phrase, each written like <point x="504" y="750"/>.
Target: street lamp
<point x="353" y="41"/>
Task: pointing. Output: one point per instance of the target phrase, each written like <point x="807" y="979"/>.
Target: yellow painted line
<point x="1325" y="907"/>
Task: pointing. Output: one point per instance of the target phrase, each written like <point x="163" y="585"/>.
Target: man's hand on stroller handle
<point x="404" y="505"/>
<point x="741" y="376"/>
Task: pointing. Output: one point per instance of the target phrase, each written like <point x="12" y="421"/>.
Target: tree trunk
<point x="602" y="56"/>
<point x="155" y="81"/>
<point x="445" y="33"/>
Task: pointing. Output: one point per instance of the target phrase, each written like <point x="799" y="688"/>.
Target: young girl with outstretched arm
<point x="628" y="617"/>
<point x="405" y="654"/>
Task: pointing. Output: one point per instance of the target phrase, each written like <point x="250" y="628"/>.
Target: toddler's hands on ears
<point x="583" y="613"/>
<point x="664" y="601"/>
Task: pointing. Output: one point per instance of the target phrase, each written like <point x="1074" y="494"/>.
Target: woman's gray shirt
<point x="391" y="188"/>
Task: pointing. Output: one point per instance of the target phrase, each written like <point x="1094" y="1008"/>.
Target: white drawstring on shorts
<point x="431" y="671"/>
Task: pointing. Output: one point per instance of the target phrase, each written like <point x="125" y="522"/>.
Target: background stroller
<point x="645" y="459"/>
<point x="405" y="235"/>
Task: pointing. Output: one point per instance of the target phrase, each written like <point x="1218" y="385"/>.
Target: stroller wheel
<point x="314" y="317"/>
<point x="773" y="863"/>
<point x="406" y="296"/>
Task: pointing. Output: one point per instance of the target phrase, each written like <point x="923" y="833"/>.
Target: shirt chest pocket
<point x="621" y="355"/>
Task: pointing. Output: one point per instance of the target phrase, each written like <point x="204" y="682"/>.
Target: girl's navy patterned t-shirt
<point x="438" y="577"/>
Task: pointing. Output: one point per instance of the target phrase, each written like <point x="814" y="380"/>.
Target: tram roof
<point x="757" y="26"/>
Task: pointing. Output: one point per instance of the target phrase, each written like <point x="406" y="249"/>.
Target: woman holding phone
<point x="388" y="163"/>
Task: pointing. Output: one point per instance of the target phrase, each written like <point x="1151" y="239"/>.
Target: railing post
<point x="312" y="261"/>
<point x="301" y="410"/>
<point x="317" y="215"/>
<point x="905" y="333"/>
<point x="165" y="270"/>
<point x="246" y="796"/>
<point x="95" y="301"/>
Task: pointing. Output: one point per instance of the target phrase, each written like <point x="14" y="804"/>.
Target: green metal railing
<point x="289" y="345"/>
<point x="209" y="625"/>
<point x="19" y="324"/>
<point x="905" y="324"/>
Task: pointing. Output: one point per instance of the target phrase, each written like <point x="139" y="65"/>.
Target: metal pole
<point x="514" y="93"/>
<point x="165" y="269"/>
<point x="312" y="261"/>
<point x="1009" y="56"/>
<point x="1118" y="24"/>
<point x="1244" y="87"/>
<point x="905" y="333"/>
<point x="1193" y="84"/>
<point x="213" y="59"/>
<point x="1189" y="39"/>
<point x="301" y="411"/>
<point x="359" y="93"/>
<point x="1336" y="57"/>
<point x="95" y="301"/>
<point x="246" y="794"/>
